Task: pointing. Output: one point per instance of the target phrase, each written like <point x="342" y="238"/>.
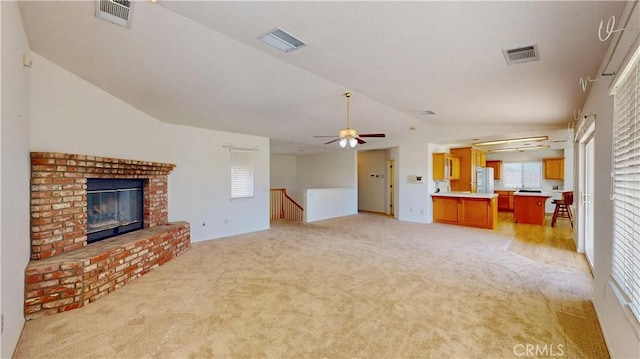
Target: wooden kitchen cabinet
<point x="553" y="168"/>
<point x="445" y="167"/>
<point x="497" y="168"/>
<point x="466" y="211"/>
<point x="481" y="158"/>
<point x="445" y="210"/>
<point x="470" y="159"/>
<point x="529" y="208"/>
<point x="505" y="200"/>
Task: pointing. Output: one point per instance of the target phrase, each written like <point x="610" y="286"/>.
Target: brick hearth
<point x="64" y="272"/>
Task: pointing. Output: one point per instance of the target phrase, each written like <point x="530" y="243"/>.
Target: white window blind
<point x="626" y="186"/>
<point x="241" y="173"/>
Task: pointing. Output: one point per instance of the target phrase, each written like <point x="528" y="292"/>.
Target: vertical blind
<point x="241" y="173"/>
<point x="626" y="186"/>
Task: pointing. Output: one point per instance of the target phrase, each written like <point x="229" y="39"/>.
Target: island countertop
<point x="465" y="195"/>
<point x="534" y="194"/>
<point x="466" y="209"/>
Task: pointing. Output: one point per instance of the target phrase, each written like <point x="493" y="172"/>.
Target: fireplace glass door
<point x="113" y="207"/>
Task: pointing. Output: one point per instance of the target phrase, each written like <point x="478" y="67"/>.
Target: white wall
<point x="325" y="203"/>
<point x="70" y="115"/>
<point x="413" y="198"/>
<point x="336" y="171"/>
<point x="372" y="181"/>
<point x="327" y="170"/>
<point x="284" y="171"/>
<point x="14" y="175"/>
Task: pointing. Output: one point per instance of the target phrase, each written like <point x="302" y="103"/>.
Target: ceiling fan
<point x="349" y="136"/>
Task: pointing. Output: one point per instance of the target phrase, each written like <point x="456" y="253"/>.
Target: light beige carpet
<point x="363" y="286"/>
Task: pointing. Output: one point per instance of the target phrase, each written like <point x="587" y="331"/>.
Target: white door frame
<point x="390" y="187"/>
<point x="587" y="201"/>
<point x="579" y="192"/>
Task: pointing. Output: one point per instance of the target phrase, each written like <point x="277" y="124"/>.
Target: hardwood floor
<point x="545" y="244"/>
<point x="552" y="245"/>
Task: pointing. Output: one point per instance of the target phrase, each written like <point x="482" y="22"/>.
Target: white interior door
<point x="587" y="200"/>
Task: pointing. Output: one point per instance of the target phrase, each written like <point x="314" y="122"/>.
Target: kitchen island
<point x="529" y="207"/>
<point x="466" y="209"/>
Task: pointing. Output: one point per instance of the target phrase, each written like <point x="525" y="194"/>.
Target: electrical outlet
<point x="421" y="210"/>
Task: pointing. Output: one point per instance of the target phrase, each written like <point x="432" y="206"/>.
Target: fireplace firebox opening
<point x="114" y="207"/>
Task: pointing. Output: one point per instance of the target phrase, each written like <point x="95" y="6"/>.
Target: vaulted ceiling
<point x="200" y="64"/>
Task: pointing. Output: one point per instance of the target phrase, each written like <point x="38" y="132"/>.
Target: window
<point x="522" y="175"/>
<point x="626" y="186"/>
<point x="241" y="174"/>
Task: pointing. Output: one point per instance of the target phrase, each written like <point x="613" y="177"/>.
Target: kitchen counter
<point x="465" y="194"/>
<point x="553" y="194"/>
<point x="533" y="194"/>
<point x="466" y="209"/>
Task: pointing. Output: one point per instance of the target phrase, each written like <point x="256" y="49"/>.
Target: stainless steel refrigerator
<point x="484" y="180"/>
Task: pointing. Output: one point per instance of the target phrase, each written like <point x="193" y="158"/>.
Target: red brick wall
<point x="59" y="196"/>
<point x="77" y="278"/>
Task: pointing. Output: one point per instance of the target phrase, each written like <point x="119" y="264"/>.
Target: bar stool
<point x="563" y="208"/>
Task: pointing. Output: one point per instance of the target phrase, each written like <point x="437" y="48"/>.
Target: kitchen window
<point x="522" y="174"/>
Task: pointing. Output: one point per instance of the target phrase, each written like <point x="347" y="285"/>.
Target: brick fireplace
<point x="65" y="273"/>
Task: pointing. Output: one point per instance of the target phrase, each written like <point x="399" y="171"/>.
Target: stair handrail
<point x="283" y="214"/>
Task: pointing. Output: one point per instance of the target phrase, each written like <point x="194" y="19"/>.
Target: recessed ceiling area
<point x="200" y="63"/>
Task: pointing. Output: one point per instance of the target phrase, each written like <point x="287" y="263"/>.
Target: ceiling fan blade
<point x="332" y="141"/>
<point x="360" y="140"/>
<point x="372" y="135"/>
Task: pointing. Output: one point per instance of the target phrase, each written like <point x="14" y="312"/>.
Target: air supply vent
<point x="424" y="112"/>
<point x="521" y="55"/>
<point x="115" y="11"/>
<point x="282" y="40"/>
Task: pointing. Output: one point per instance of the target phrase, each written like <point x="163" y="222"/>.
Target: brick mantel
<point x="64" y="272"/>
<point x="59" y="196"/>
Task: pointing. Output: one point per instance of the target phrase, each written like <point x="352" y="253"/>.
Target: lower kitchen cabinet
<point x="529" y="209"/>
<point x="471" y="211"/>
<point x="505" y="200"/>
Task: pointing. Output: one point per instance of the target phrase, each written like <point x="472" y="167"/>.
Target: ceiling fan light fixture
<point x="343" y="142"/>
<point x="353" y="142"/>
<point x="348" y="133"/>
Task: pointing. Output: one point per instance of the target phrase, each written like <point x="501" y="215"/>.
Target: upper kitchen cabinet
<point x="497" y="168"/>
<point x="553" y="168"/>
<point x="445" y="167"/>
<point x="470" y="159"/>
<point x="481" y="158"/>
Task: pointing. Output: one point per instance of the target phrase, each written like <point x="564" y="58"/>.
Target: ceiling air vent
<point x="521" y="55"/>
<point x="282" y="40"/>
<point x="115" y="11"/>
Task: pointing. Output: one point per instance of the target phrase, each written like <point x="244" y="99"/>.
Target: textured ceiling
<point x="199" y="63"/>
